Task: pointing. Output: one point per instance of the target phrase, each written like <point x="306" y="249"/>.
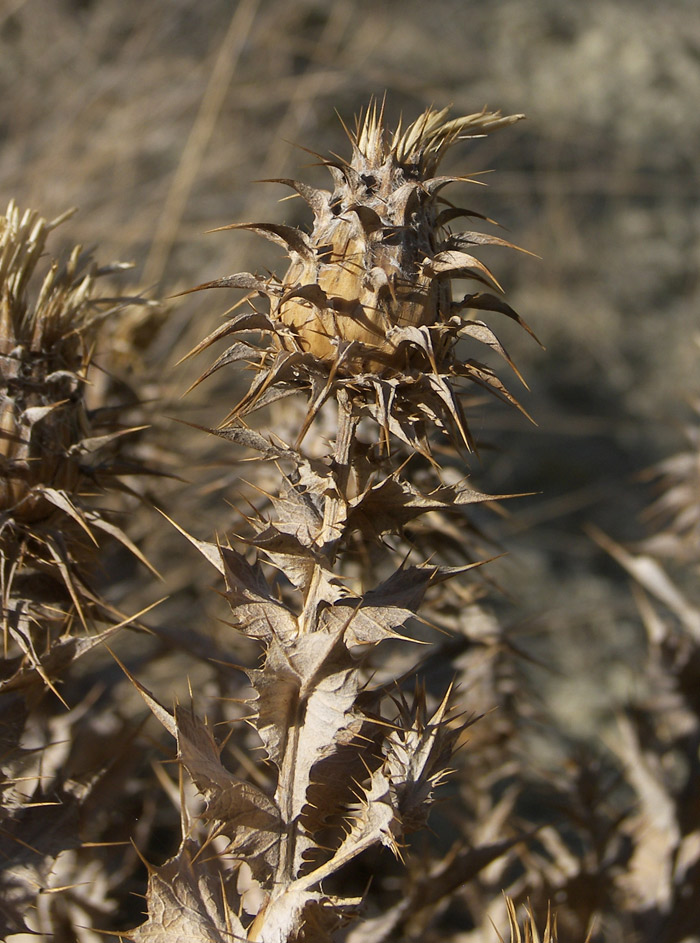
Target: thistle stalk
<point x="364" y="320"/>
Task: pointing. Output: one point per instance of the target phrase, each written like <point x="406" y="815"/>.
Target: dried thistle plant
<point x="657" y="742"/>
<point x="67" y="467"/>
<point x="59" y="455"/>
<point x="364" y="326"/>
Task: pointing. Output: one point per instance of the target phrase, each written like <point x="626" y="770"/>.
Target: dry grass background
<point x="154" y="118"/>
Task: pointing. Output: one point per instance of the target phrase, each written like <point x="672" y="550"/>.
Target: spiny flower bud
<point x="380" y="254"/>
<point x="366" y="301"/>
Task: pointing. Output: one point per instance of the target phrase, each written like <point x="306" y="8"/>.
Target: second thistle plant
<point x="69" y="470"/>
<point x="363" y="323"/>
<point x="56" y="453"/>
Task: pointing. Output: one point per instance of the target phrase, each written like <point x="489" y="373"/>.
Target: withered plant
<point x="69" y="471"/>
<point x="618" y="847"/>
<point x="60" y="452"/>
<point x="363" y="514"/>
<point x="658" y="740"/>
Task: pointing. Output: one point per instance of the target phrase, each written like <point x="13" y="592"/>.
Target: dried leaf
<point x="244" y="813"/>
<point x="417" y="756"/>
<point x="188" y="900"/>
<point x="256" y="610"/>
<point x="394" y="502"/>
<point x="651" y="575"/>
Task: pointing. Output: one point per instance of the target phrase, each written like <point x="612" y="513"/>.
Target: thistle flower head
<point x="44" y="357"/>
<point x="54" y="451"/>
<point x="379" y="256"/>
<point x="366" y="302"/>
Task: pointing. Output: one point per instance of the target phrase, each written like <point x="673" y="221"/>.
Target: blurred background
<point x="154" y="119"/>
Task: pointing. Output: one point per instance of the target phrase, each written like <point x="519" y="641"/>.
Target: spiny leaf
<point x="239" y="280"/>
<point x="394" y="502"/>
<point x="188" y="900"/>
<point x="210" y="551"/>
<point x="238" y="351"/>
<point x="256" y="610"/>
<point x="483" y="333"/>
<point x="247" y="321"/>
<point x="239" y="806"/>
<point x="418" y="752"/>
<point x="461" y="239"/>
<point x="372" y="822"/>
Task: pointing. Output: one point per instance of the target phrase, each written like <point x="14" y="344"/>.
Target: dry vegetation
<point x="345" y="499"/>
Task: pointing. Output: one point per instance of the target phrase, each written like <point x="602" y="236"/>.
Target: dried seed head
<point x="380" y="255"/>
<point x="366" y="302"/>
<point x="43" y="356"/>
<point x="53" y="450"/>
